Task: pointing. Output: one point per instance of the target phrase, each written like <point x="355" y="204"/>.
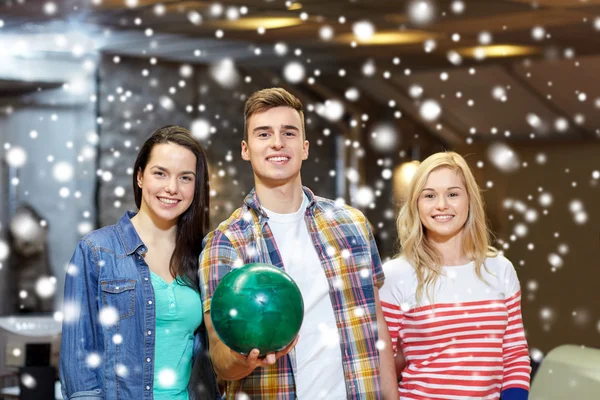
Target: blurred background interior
<point x="511" y="85"/>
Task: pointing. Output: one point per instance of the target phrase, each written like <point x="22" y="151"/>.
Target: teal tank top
<point x="178" y="315"/>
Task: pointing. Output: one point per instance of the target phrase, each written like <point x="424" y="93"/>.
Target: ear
<point x="305" y="150"/>
<point x="140" y="175"/>
<point x="245" y="152"/>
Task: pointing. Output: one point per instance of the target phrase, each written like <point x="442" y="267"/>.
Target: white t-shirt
<point x="318" y="356"/>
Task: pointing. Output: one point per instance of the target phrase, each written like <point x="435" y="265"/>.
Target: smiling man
<point x="343" y="350"/>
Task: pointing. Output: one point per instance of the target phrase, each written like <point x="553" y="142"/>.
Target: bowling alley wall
<point x="545" y="218"/>
<point x="532" y="210"/>
<point x="153" y="96"/>
<point x="544" y="214"/>
<point x="556" y="255"/>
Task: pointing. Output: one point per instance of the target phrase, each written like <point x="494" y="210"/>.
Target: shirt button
<point x="149" y="333"/>
<point x="172" y="305"/>
<point x="149" y="301"/>
<point x="145" y="279"/>
<point x="148" y="359"/>
<point x="147" y="387"/>
<point x="117" y="288"/>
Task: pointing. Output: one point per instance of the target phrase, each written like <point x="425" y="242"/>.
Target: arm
<point x="391" y="299"/>
<point x="389" y="382"/>
<point x="393" y="316"/>
<point x="515" y="382"/>
<point x="80" y="328"/>
<point x="400" y="363"/>
<point x="216" y="260"/>
<point x="232" y="366"/>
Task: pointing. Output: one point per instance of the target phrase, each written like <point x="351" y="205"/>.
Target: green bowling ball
<point x="257" y="306"/>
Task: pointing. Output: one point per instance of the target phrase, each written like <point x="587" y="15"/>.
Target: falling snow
<point x="532" y="219"/>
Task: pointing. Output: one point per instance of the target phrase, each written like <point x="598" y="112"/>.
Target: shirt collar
<point x="129" y="236"/>
<point x="253" y="203"/>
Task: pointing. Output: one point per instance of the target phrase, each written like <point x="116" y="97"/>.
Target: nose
<point x="441" y="203"/>
<point x="276" y="141"/>
<point x="171" y="186"/>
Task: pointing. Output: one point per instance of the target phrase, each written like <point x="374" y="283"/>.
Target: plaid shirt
<point x="345" y="245"/>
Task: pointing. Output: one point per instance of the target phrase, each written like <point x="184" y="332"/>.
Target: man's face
<point x="275" y="146"/>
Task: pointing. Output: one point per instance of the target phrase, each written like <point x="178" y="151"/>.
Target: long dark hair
<point x="193" y="223"/>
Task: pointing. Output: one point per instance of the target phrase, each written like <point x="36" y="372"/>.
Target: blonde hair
<point x="417" y="249"/>
<point x="265" y="99"/>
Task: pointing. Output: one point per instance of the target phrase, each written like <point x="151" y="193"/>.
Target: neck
<point x="282" y="199"/>
<point x="450" y="248"/>
<point x="152" y="229"/>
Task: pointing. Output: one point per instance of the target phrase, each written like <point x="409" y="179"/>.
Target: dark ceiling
<point x="541" y="82"/>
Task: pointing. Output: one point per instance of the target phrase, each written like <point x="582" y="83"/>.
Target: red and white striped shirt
<point x="468" y="344"/>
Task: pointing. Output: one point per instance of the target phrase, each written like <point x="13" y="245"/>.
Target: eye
<point x="188" y="178"/>
<point x="159" y="173"/>
<point x="290" y="133"/>
<point x="428" y="196"/>
<point x="453" y="194"/>
<point x="262" y="134"/>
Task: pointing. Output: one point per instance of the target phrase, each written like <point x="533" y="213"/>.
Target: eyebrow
<point x="450" y="188"/>
<point x="269" y="127"/>
<point x="166" y="170"/>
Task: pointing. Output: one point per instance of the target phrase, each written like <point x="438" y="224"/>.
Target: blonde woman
<point x="451" y="302"/>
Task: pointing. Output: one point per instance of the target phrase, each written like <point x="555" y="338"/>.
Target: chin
<point x="168" y="215"/>
<point x="276" y="179"/>
<point x="442" y="232"/>
<point x="449" y="234"/>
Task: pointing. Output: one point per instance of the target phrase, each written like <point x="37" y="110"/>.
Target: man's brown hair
<point x="265" y="99"/>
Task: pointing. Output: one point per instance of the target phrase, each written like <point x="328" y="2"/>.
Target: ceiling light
<point x="255" y="23"/>
<point x="389" y="37"/>
<point x="501" y="50"/>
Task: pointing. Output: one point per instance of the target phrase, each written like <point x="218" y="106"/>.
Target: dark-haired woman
<point x="132" y="323"/>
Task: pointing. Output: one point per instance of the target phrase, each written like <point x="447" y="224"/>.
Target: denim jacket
<point x="110" y="355"/>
